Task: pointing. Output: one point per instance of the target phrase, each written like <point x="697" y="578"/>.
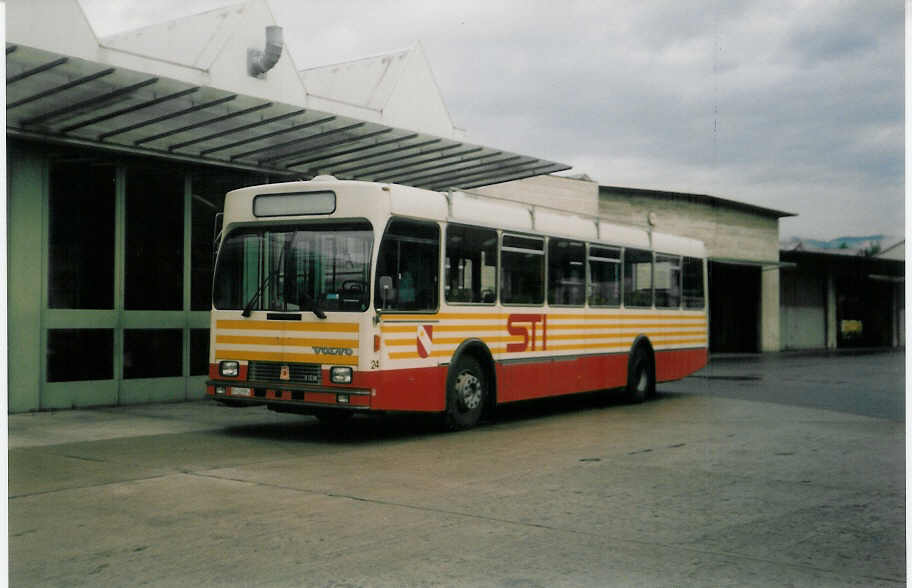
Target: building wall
<point x="109" y="263"/>
<point x="578" y="196"/>
<point x="824" y="290"/>
<point x="727" y="232"/>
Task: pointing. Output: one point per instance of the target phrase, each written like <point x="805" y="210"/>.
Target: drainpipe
<point x="259" y="62"/>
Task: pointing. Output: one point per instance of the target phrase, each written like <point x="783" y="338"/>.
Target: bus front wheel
<point x="466" y="394"/>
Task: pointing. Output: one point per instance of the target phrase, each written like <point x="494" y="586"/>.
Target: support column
<point x="769" y="310"/>
<point x="27" y="198"/>
<point x="831" y="326"/>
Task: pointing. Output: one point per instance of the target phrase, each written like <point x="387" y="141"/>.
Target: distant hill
<point x="840" y="242"/>
<point x="866" y="245"/>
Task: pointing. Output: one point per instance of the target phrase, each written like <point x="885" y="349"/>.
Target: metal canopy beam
<point x="297" y="142"/>
<point x="204" y="123"/>
<point x="292" y="129"/>
<point x="61" y="88"/>
<point x="383" y="164"/>
<point x="70" y="109"/>
<point x="164" y="117"/>
<point x="35" y="70"/>
<point x="129" y="110"/>
<point x="140" y="112"/>
<point x="324" y="148"/>
<point x="445" y="164"/>
<point x="343" y="170"/>
<point x="240" y="129"/>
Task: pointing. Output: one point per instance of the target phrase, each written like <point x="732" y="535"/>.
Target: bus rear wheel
<point x="641" y="381"/>
<point x="466" y="394"/>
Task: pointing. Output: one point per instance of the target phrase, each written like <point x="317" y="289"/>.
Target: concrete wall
<point x="727" y="232"/>
<point x="579" y="196"/>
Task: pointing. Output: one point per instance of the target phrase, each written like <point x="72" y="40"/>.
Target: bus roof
<point x="485" y="210"/>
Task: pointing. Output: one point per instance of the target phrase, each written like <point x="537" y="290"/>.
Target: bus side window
<point x="471" y="265"/>
<point x="409" y="257"/>
<point x="667" y="281"/>
<point x="604" y="276"/>
<point x="637" y="277"/>
<point x="693" y="283"/>
<point x="566" y="272"/>
<point x="522" y="269"/>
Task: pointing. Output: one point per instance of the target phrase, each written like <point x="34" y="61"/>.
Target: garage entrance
<point x="734" y="308"/>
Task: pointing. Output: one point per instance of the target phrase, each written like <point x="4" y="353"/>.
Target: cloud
<point x="792" y="104"/>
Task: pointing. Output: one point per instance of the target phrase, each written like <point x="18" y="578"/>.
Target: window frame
<point x="620" y="265"/>
<point x="585" y="285"/>
<point x="624" y="302"/>
<point x="544" y="266"/>
<point x="680" y="268"/>
<point x="438" y="267"/>
<point x="701" y="261"/>
<point x="444" y="268"/>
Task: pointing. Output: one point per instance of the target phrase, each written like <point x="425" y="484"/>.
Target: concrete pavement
<point x="695" y="490"/>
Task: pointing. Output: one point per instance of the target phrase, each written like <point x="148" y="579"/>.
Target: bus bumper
<point x="288" y="396"/>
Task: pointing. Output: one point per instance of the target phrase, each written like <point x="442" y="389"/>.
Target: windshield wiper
<point x="314" y="307"/>
<point x="249" y="306"/>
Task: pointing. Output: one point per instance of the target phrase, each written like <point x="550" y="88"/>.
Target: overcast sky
<point x="791" y="104"/>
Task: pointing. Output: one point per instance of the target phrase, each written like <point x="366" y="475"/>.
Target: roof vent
<point x="259" y="62"/>
<point x="324" y="178"/>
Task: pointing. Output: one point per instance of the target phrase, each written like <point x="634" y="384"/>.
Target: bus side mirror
<point x="385" y="285"/>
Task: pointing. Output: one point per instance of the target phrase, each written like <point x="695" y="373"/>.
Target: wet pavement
<point x="734" y="477"/>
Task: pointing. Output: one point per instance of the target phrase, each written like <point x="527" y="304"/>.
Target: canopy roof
<point x="120" y="93"/>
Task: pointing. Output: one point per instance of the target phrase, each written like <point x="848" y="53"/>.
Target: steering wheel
<point x="353" y="286"/>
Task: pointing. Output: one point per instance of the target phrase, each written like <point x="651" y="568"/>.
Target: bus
<point x="333" y="297"/>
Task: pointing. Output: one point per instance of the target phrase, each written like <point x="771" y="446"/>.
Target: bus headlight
<point x="229" y="369"/>
<point x="340" y="375"/>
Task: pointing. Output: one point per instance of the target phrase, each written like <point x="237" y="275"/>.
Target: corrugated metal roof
<point x="165" y="92"/>
<point x="55" y="97"/>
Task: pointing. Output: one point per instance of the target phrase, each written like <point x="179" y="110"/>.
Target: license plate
<point x="241" y="392"/>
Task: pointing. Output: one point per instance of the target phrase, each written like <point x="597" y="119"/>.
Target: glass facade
<point x="129" y="258"/>
<point x="81" y="234"/>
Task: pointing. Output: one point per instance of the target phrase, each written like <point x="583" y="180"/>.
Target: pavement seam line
<point x="540" y="526"/>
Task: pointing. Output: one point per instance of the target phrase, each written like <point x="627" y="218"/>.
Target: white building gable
<point x="216" y="44"/>
<point x="398" y="86"/>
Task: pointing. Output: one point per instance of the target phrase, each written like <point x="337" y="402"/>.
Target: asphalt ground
<point x="703" y="486"/>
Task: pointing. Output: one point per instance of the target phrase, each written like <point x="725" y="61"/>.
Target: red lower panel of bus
<point x="678" y="363"/>
<point x="421" y="389"/>
<point x="424" y="389"/>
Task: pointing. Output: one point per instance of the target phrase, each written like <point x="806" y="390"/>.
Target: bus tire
<point x="641" y="380"/>
<point x="466" y="394"/>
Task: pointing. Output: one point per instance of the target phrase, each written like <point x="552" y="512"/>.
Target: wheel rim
<point x="468" y="390"/>
<point x="643" y="381"/>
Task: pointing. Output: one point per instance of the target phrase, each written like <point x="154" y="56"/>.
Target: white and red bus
<point x="332" y="297"/>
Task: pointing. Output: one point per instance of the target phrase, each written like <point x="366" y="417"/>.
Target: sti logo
<point x="526" y="325"/>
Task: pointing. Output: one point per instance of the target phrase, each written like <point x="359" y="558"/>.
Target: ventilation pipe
<point x="259" y="62"/>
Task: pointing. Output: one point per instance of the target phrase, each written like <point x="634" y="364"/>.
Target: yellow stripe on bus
<point x="286" y="357"/>
<point x="287" y="326"/>
<point x="292" y="341"/>
<point x="584" y="347"/>
<point x="500" y="314"/>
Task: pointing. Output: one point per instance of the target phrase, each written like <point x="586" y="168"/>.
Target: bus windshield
<point x="295" y="268"/>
